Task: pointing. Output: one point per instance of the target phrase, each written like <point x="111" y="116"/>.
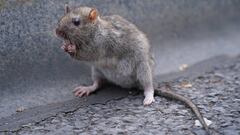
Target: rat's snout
<point x="60" y="32"/>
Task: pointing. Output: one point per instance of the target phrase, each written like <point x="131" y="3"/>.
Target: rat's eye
<point x="76" y="21"/>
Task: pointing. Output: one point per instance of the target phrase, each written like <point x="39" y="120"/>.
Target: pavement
<point x="216" y="92"/>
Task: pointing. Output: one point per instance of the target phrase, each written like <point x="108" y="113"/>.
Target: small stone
<point x="198" y="124"/>
<point x="183" y="67"/>
<point x="55" y="121"/>
<point x="39" y="128"/>
<point x="20" y="109"/>
<point x="186" y="84"/>
<point x="27" y="125"/>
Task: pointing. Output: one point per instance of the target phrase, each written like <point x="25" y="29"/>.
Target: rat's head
<point x="76" y="22"/>
<point x="77" y="27"/>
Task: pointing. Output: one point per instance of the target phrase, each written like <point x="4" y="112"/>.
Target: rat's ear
<point x="67" y="9"/>
<point x="93" y="14"/>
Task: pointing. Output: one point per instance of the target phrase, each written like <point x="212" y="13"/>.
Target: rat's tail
<point x="188" y="102"/>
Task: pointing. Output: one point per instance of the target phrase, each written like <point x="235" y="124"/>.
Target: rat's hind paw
<point x="148" y="100"/>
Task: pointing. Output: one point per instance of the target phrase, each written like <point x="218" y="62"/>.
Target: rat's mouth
<point x="69" y="47"/>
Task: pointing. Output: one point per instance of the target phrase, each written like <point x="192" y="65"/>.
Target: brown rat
<point x="117" y="51"/>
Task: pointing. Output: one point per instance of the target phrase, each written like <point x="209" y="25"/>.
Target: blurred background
<point x="35" y="71"/>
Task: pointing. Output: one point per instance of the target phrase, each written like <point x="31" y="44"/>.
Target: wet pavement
<point x="216" y="93"/>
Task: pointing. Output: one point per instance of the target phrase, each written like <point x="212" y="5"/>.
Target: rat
<point x="117" y="51"/>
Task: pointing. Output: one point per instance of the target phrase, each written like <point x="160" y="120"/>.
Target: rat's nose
<point x="60" y="32"/>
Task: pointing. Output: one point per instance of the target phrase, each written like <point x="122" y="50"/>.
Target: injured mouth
<point x="69" y="47"/>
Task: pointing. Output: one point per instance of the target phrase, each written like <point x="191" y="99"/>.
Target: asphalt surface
<point x="216" y="93"/>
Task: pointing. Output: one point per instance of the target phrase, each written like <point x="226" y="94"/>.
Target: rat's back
<point x="127" y="34"/>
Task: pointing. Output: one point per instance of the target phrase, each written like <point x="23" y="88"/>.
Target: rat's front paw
<point x="83" y="90"/>
<point x="148" y="100"/>
<point x="70" y="49"/>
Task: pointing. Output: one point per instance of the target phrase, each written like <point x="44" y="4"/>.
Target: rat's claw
<point x="87" y="93"/>
<point x="148" y="100"/>
<point x="71" y="48"/>
<point x="82" y="90"/>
